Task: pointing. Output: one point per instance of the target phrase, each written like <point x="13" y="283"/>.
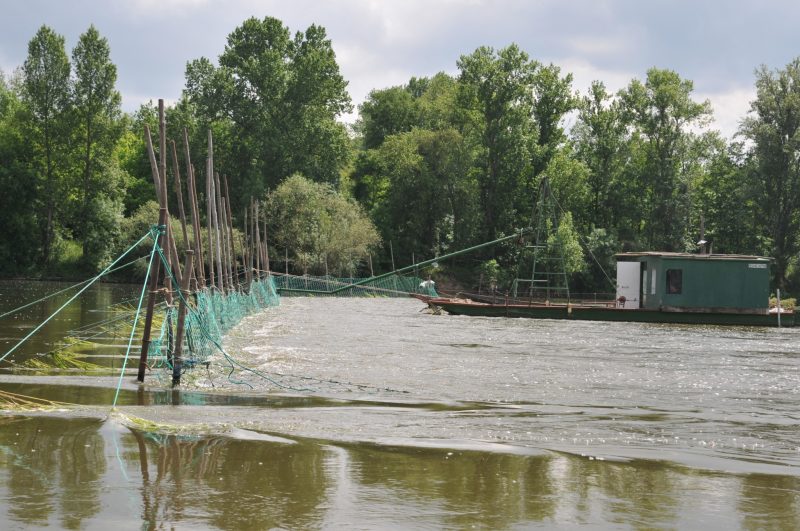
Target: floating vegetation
<point x="62" y="360"/>
<point x="16" y="402"/>
<point x="156" y="429"/>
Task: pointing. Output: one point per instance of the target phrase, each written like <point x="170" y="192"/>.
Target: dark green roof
<point x="690" y="256"/>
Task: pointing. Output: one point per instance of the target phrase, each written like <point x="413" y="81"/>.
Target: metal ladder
<point x="548" y="276"/>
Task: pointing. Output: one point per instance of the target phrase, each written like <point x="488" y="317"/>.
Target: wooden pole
<point x="229" y="212"/>
<point x="219" y="218"/>
<point x="177" y="358"/>
<point x="245" y="245"/>
<point x="151" y="297"/>
<point x="163" y="242"/>
<point x="254" y="262"/>
<point x="210" y="222"/>
<point x="258" y="244"/>
<point x="172" y="252"/>
<point x="266" y="243"/>
<point x="192" y="186"/>
<point x="226" y="252"/>
<point x="215" y="211"/>
<point x="215" y="214"/>
<point x="179" y="193"/>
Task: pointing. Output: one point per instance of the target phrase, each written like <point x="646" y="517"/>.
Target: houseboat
<point x="656" y="287"/>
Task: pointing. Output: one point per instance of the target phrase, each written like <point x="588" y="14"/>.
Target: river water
<point x="373" y="413"/>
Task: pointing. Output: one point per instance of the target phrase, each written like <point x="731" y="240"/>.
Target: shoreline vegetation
<point x="431" y="166"/>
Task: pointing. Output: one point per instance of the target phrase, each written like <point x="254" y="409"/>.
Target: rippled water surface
<point x="372" y="413"/>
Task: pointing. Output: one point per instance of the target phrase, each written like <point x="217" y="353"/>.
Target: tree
<point x="17" y="251"/>
<point x="661" y="111"/>
<point x="496" y="93"/>
<point x="386" y="112"/>
<point x="97" y="109"/>
<point x="323" y="230"/>
<point x="553" y="99"/>
<point x="428" y="199"/>
<point x="600" y="140"/>
<point x="281" y="97"/>
<point x="46" y="94"/>
<point x="774" y="128"/>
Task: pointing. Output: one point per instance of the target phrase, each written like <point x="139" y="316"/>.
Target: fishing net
<point x="210" y="315"/>
<point x="382" y="286"/>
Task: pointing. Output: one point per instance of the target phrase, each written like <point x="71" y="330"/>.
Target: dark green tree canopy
<point x="281" y="96"/>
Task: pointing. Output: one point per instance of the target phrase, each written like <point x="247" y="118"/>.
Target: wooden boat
<point x="653" y="287"/>
<point x="611" y="312"/>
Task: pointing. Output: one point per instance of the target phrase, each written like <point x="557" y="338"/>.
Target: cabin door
<point x="629" y="283"/>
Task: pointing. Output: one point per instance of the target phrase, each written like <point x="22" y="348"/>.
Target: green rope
<point x="87" y="286"/>
<point x="15" y="310"/>
<point x="136" y="317"/>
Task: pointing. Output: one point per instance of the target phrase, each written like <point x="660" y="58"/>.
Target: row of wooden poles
<point x="223" y="273"/>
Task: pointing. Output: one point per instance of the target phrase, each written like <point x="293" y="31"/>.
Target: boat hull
<point x="595" y="313"/>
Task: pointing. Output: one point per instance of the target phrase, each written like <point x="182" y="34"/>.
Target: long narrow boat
<point x="658" y="287"/>
<point x="592" y="312"/>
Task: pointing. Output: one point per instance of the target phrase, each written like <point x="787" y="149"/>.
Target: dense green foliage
<point x="321" y="231"/>
<point x="431" y="166"/>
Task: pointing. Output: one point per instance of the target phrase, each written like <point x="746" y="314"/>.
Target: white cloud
<point x="594" y="45"/>
<point x="584" y="72"/>
<point x="161" y="7"/>
<point x="729" y="108"/>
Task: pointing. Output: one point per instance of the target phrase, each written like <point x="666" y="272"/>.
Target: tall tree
<point x="46" y="93"/>
<point x="496" y="92"/>
<point x="600" y="138"/>
<point x="282" y="97"/>
<point x="661" y="111"/>
<point x="774" y="128"/>
<point x="386" y="112"/>
<point x="17" y="217"/>
<point x="553" y="99"/>
<point x="97" y="111"/>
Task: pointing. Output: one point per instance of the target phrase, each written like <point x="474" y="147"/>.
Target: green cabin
<point x="693" y="282"/>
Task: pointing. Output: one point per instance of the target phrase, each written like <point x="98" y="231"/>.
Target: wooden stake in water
<point x="177" y="358"/>
<point x="151" y="300"/>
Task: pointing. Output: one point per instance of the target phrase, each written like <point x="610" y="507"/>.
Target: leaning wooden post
<point x="211" y="211"/>
<point x="266" y="243"/>
<point x="219" y="224"/>
<point x="258" y="242"/>
<point x="223" y="242"/>
<point x="159" y="195"/>
<point x="179" y="193"/>
<point x="209" y="224"/>
<point x="172" y="252"/>
<point x="177" y="359"/>
<point x="151" y="296"/>
<point x="229" y="212"/>
<point x="192" y="188"/>
<point x="246" y="246"/>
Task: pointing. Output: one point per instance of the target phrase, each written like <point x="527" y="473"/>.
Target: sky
<point x="716" y="44"/>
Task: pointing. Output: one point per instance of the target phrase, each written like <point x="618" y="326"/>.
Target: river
<point x="373" y="413"/>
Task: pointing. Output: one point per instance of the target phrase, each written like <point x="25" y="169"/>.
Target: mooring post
<point x="177" y="358"/>
<point x="151" y="296"/>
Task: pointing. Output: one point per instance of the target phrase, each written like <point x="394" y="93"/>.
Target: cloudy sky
<point x="717" y="44"/>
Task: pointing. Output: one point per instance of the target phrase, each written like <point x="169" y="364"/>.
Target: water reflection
<point x="76" y="473"/>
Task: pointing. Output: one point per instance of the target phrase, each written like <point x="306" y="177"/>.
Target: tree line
<point x="434" y="165"/>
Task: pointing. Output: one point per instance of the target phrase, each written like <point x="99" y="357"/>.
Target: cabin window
<point x="674" y="281"/>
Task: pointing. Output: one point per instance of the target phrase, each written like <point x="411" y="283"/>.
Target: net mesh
<point x="385" y="286"/>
